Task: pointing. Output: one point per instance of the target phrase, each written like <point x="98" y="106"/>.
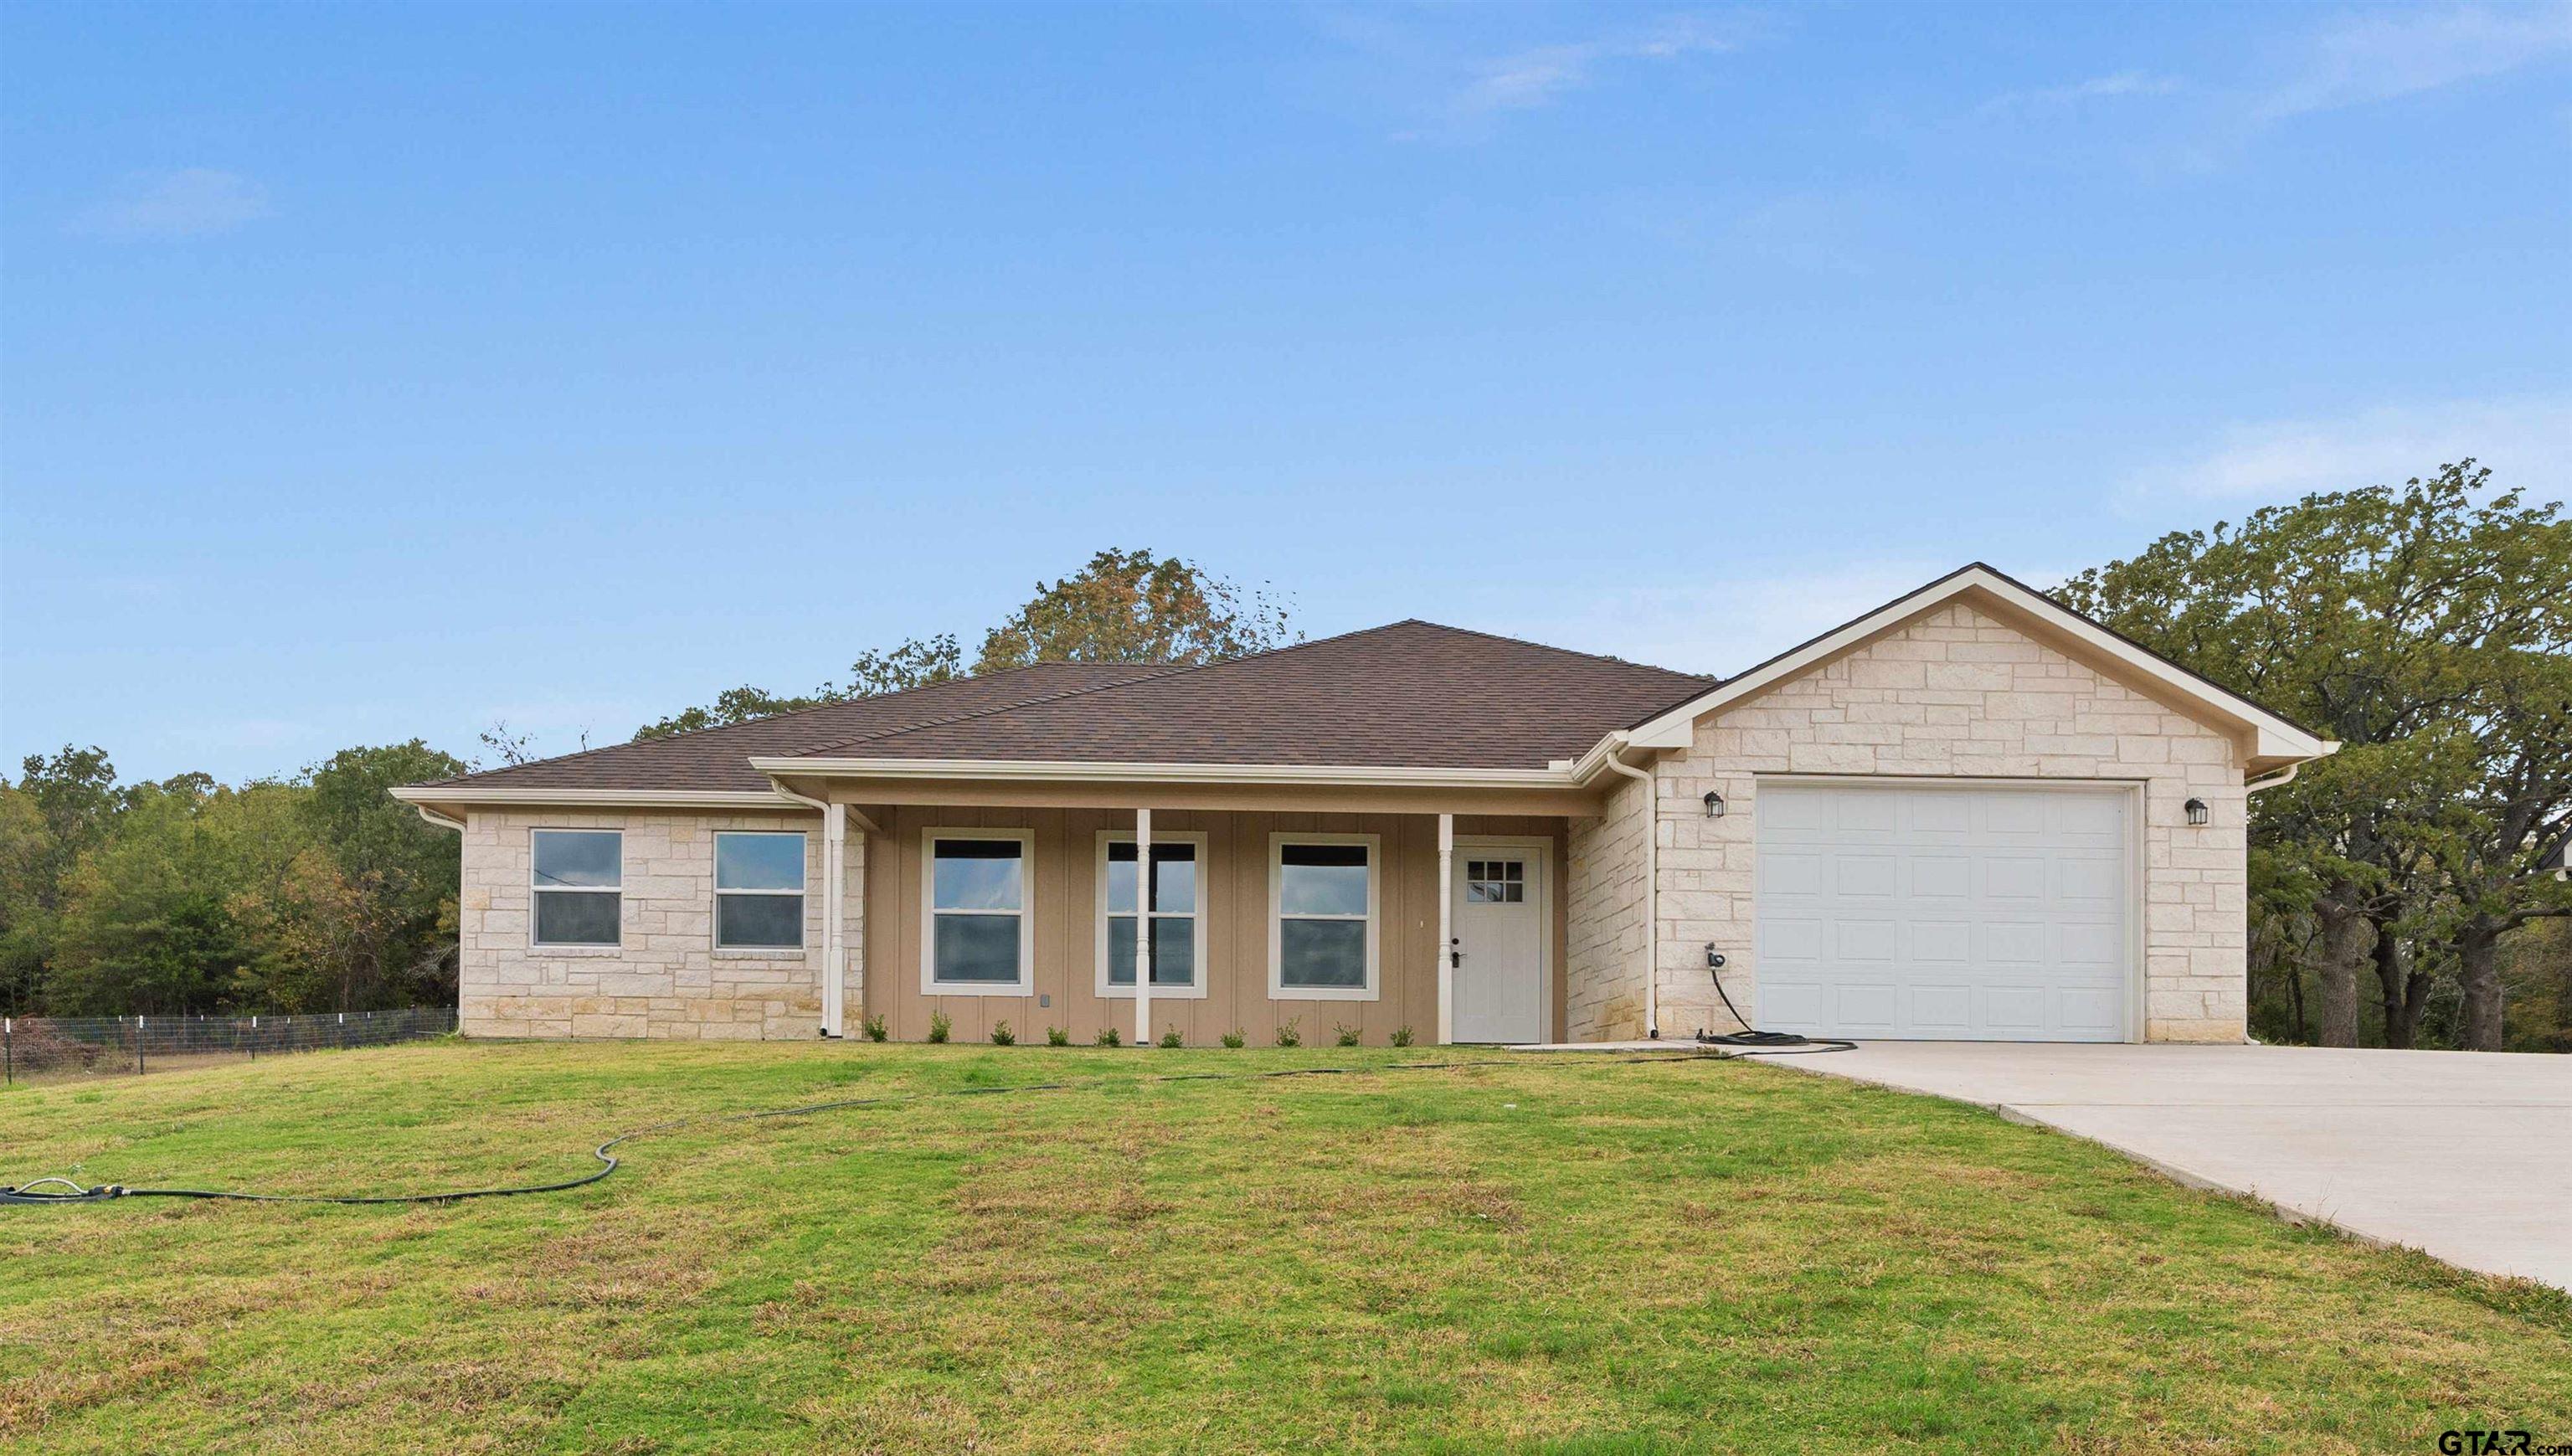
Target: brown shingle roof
<point x="719" y="758"/>
<point x="1410" y="695"/>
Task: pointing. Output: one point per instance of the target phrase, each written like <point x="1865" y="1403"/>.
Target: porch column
<point x="1142" y="926"/>
<point x="1445" y="929"/>
<point x="834" y="948"/>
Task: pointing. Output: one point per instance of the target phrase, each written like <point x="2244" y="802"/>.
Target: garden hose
<point x="36" y="1192"/>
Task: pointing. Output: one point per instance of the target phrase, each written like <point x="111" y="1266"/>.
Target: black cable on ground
<point x="28" y="1194"/>
<point x="1768" y="1043"/>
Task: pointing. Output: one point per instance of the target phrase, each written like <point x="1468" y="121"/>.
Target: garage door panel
<point x="1866" y="877"/>
<point x="1942" y="877"/>
<point x="1989" y="913"/>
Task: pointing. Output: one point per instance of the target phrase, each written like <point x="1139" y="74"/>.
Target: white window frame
<point x="1278" y="990"/>
<point x="930" y="985"/>
<point x="591" y="948"/>
<point x="1098" y="957"/>
<point x="803" y="927"/>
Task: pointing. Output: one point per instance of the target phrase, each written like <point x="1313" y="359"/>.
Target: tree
<point x="59" y="808"/>
<point x="2417" y="627"/>
<point x="1124" y="606"/>
<point x="1131" y="606"/>
<point x="405" y="869"/>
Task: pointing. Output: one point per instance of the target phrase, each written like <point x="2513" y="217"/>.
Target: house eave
<point x="599" y="798"/>
<point x="1089" y="772"/>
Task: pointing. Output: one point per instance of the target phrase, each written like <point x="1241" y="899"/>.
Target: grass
<point x="1550" y="1255"/>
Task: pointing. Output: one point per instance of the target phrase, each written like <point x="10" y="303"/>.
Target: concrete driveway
<point x="2466" y="1155"/>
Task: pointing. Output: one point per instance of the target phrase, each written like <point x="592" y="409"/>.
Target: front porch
<point x="1230" y="957"/>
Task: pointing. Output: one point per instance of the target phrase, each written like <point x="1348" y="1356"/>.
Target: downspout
<point x="1652" y="890"/>
<point x="2277" y="780"/>
<point x="440" y="820"/>
<point x="835" y="834"/>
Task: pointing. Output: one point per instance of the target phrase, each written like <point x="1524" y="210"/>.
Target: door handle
<point x="1454" y="954"/>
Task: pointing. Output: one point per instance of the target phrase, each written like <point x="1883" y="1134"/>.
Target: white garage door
<point x="1980" y="914"/>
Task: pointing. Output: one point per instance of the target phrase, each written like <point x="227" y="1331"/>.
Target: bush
<point x="940" y="1025"/>
<point x="1170" y="1040"/>
<point x="1402" y="1035"/>
<point x="1235" y="1040"/>
<point x="1347" y="1036"/>
<point x="874" y="1028"/>
<point x="1107" y="1037"/>
<point x="1287" y="1035"/>
<point x="1057" y="1036"/>
<point x="1001" y="1036"/>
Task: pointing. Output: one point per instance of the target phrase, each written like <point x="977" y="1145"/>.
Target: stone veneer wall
<point x="1604" y="922"/>
<point x="1955" y="693"/>
<point x="667" y="978"/>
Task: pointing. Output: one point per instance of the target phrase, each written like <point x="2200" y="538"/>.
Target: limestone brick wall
<point x="1604" y="922"/>
<point x="1959" y="693"/>
<point x="666" y="979"/>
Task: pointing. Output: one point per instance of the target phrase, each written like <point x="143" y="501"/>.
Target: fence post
<point x="138" y="1046"/>
<point x="9" y="1050"/>
<point x="253" y="1039"/>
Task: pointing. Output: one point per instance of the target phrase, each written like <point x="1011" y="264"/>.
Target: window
<point x="759" y="892"/>
<point x="1322" y="903"/>
<point x="1177" y="913"/>
<point x="1495" y="881"/>
<point x="974" y="937"/>
<point x="578" y="876"/>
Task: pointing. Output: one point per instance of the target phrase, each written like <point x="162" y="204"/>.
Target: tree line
<point x="2404" y="887"/>
<point x="2401" y="891"/>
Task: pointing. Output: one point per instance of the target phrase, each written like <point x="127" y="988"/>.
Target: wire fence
<point x="56" y="1048"/>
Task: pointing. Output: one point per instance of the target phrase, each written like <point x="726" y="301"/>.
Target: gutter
<point x="1652" y="881"/>
<point x="433" y="817"/>
<point x="1091" y="771"/>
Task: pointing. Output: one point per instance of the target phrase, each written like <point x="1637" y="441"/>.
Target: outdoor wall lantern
<point x="2196" y="811"/>
<point x="1714" y="805"/>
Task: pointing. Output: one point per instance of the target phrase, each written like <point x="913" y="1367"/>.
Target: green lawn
<point x="1553" y="1254"/>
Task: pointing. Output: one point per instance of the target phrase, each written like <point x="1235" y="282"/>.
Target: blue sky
<point x="377" y="371"/>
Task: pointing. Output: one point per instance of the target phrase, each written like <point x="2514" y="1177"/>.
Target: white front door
<point x="1500" y="900"/>
<point x="1971" y="911"/>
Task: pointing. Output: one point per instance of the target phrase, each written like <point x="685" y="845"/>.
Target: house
<point x="1969" y="814"/>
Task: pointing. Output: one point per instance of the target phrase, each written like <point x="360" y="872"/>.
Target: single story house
<point x="1969" y="814"/>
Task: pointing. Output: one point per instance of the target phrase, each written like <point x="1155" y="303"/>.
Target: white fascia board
<point x="2277" y="738"/>
<point x="1083" y="772"/>
<point x="601" y="798"/>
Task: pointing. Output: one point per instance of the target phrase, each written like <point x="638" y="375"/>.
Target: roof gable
<point x="2274" y="739"/>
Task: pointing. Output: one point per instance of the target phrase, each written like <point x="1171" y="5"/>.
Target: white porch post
<point x="834" y="948"/>
<point x="1445" y="929"/>
<point x="1142" y="926"/>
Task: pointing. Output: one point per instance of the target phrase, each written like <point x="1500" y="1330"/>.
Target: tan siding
<point x="1235" y="904"/>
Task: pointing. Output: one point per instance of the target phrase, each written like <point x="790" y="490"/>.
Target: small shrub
<point x="875" y="1028"/>
<point x="938" y="1026"/>
<point x="1287" y="1035"/>
<point x="1235" y="1040"/>
<point x="1170" y="1041"/>
<point x="1402" y="1035"/>
<point x="1107" y="1037"/>
<point x="1001" y="1036"/>
<point x="1057" y="1036"/>
<point x="1347" y="1036"/>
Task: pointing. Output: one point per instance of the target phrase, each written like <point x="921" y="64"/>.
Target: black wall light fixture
<point x="1714" y="805"/>
<point x="2196" y="811"/>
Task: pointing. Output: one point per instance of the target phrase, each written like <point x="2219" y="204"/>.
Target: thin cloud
<point x="2053" y="99"/>
<point x="2375" y="58"/>
<point x="187" y="203"/>
<point x="2526" y="440"/>
<point x="1475" y="92"/>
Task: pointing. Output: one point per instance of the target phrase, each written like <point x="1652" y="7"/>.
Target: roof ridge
<point x="1706" y="677"/>
<point x="1174" y="669"/>
<point x="715" y="728"/>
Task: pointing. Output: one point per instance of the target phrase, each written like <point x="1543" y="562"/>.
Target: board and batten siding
<point x="1234" y="883"/>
